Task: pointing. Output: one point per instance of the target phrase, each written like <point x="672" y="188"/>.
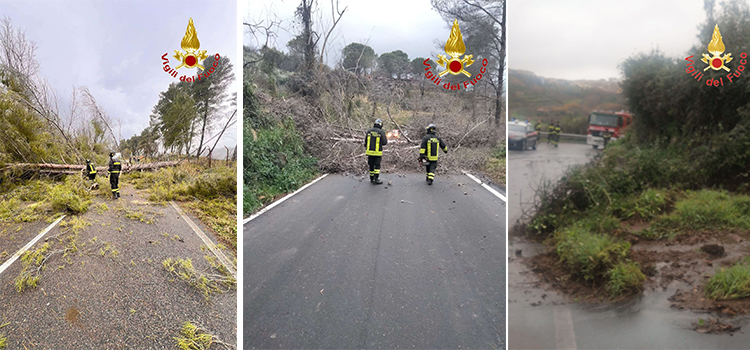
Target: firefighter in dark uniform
<point x="374" y="142"/>
<point x="550" y="132"/>
<point x="90" y="170"/>
<point x="429" y="151"/>
<point x="114" y="175"/>
<point x="558" y="130"/>
<point x="606" y="135"/>
<point x="538" y="127"/>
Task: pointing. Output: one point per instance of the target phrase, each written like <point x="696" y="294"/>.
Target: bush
<point x="275" y="163"/>
<point x="731" y="283"/>
<point x="587" y="254"/>
<point x="625" y="278"/>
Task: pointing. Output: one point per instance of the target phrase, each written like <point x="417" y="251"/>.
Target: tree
<point x="394" y="63"/>
<point x="308" y="37"/>
<point x="174" y="116"/>
<point x="210" y="93"/>
<point x="417" y="72"/>
<point x="358" y="58"/>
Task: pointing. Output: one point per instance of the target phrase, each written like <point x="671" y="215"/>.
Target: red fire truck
<point x="601" y="121"/>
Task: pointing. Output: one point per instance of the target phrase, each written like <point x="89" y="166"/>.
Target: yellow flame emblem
<point x="190" y="44"/>
<point x="455" y="47"/>
<point x="716" y="48"/>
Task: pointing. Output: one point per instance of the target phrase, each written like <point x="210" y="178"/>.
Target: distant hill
<point x="569" y="101"/>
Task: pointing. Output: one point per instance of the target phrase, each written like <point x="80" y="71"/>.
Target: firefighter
<point x="429" y="151"/>
<point x="90" y="170"/>
<point x="538" y="126"/>
<point x="114" y="174"/>
<point x="550" y="132"/>
<point x="606" y="135"/>
<point x="374" y="142"/>
<point x="557" y="131"/>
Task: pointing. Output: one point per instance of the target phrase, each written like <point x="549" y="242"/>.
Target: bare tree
<point x="336" y="17"/>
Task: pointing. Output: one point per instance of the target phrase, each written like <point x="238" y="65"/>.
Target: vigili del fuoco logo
<point x="190" y="57"/>
<point x="453" y="63"/>
<point x="716" y="61"/>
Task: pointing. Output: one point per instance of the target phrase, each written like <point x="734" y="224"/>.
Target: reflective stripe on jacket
<point x="430" y="145"/>
<point x="374" y="142"/>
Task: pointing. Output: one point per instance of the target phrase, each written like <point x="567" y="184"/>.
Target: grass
<point x="587" y="254"/>
<point x="708" y="209"/>
<point x="211" y="193"/>
<point x="495" y="165"/>
<point x="194" y="337"/>
<point x="730" y="283"/>
<point x="625" y="278"/>
<point x="206" y="283"/>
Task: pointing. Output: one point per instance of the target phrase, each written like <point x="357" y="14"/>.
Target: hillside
<point x="569" y="101"/>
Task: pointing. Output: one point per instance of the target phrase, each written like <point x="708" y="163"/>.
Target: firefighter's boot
<point x="429" y="182"/>
<point x="375" y="180"/>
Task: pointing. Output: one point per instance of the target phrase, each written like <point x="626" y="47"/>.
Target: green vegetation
<point x="731" y="283"/>
<point x="210" y="192"/>
<point x="708" y="209"/>
<point x="495" y="166"/>
<point x="33" y="263"/>
<point x="194" y="337"/>
<point x="275" y="161"/>
<point x="625" y="278"/>
<point x="32" y="200"/>
<point x="206" y="283"/>
<point x="588" y="254"/>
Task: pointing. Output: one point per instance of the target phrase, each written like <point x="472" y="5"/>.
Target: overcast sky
<point x="114" y="48"/>
<point x="588" y="39"/>
<point x="409" y="26"/>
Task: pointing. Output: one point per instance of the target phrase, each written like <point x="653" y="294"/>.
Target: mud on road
<point x="113" y="291"/>
<point x="678" y="267"/>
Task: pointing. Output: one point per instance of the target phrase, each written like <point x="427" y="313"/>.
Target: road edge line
<point x="20" y="252"/>
<point x="565" y="336"/>
<point x="487" y="187"/>
<point x="269" y="207"/>
<point x="211" y="246"/>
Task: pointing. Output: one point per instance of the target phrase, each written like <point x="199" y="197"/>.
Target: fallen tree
<point x="70" y="169"/>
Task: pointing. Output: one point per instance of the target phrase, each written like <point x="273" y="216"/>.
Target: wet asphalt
<point x="345" y="264"/>
<point x="95" y="300"/>
<point x="540" y="318"/>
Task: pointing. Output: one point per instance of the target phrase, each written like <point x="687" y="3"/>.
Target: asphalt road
<point x="528" y="169"/>
<point x="113" y="293"/>
<point x="540" y="318"/>
<point x="345" y="264"/>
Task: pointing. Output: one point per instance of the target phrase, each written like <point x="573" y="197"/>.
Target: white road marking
<point x="565" y="337"/>
<point x="492" y="190"/>
<point x="210" y="244"/>
<point x="281" y="200"/>
<point x="29" y="245"/>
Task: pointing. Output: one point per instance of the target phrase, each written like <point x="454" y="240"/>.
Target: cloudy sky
<point x="577" y="39"/>
<point x="389" y="25"/>
<point x="114" y="48"/>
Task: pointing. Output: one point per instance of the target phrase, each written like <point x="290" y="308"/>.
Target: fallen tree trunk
<point x="69" y="169"/>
